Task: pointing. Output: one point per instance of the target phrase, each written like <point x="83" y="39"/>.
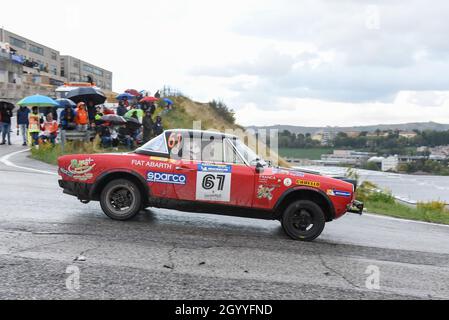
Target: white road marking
<point x="5" y="160"/>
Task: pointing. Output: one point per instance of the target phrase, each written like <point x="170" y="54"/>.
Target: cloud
<point x="377" y="50"/>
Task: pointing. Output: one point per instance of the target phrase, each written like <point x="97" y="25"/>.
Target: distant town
<point x="414" y="151"/>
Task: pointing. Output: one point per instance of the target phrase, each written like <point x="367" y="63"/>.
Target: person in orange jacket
<point x="82" y="117"/>
<point x="49" y="129"/>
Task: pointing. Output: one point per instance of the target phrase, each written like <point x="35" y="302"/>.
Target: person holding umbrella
<point x="34" y="124"/>
<point x="22" y="123"/>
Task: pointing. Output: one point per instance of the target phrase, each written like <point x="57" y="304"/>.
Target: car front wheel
<point x="121" y="199"/>
<point x="303" y="220"/>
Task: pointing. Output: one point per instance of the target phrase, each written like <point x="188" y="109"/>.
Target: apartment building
<point x="44" y="65"/>
<point x="37" y="57"/>
<point x="76" y="70"/>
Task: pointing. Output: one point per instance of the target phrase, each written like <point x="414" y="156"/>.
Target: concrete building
<point x="37" y="57"/>
<point x="390" y="164"/>
<point x="76" y="70"/>
<point x="350" y="157"/>
<point x="24" y="61"/>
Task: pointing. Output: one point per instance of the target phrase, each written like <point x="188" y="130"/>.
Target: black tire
<point x="303" y="220"/>
<point x="121" y="199"/>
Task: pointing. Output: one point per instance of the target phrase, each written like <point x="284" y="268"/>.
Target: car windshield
<point x="249" y="155"/>
<point x="157" y="145"/>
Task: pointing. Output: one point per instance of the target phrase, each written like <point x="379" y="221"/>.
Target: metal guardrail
<point x="75" y="136"/>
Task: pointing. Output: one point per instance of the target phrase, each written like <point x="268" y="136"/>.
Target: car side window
<point x="230" y="155"/>
<point x="212" y="150"/>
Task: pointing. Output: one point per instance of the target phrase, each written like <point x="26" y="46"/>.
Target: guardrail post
<point x="63" y="137"/>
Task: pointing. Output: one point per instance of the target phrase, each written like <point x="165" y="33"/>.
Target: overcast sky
<point x="292" y="62"/>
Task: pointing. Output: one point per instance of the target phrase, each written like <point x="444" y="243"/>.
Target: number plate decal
<point x="213" y="183"/>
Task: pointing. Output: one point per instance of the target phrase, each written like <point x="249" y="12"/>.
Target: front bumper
<point x="77" y="189"/>
<point x="356" y="207"/>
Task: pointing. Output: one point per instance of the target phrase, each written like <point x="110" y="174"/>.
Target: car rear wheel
<point x="303" y="220"/>
<point x="121" y="199"/>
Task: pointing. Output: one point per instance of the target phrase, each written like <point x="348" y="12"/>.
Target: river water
<point x="409" y="188"/>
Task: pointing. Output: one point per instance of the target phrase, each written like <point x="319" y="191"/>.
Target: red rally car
<point x="208" y="172"/>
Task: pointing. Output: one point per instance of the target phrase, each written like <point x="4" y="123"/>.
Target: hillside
<point x="187" y="111"/>
<point x="384" y="127"/>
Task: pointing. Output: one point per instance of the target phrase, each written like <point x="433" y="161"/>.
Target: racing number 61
<point x="209" y="182"/>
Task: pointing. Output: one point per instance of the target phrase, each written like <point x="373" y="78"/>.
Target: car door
<point x="209" y="178"/>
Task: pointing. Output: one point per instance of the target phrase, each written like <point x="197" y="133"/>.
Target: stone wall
<point x="15" y="92"/>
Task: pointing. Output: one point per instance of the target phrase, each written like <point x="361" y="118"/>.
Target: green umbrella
<point x="37" y="101"/>
<point x="138" y="112"/>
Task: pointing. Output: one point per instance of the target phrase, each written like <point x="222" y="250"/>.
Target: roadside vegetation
<point x="49" y="154"/>
<point x="383" y="202"/>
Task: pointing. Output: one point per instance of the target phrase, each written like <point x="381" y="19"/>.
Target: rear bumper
<point x="356" y="207"/>
<point x="77" y="189"/>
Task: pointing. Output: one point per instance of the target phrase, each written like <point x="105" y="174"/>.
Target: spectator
<point x="126" y="102"/>
<point x="107" y="111"/>
<point x="53" y="111"/>
<point x="105" y="135"/>
<point x="121" y="109"/>
<point x="91" y="111"/>
<point x="152" y="108"/>
<point x="1" y="123"/>
<point x="50" y="129"/>
<point x="157" y="95"/>
<point x="23" y="122"/>
<point x="125" y="136"/>
<point x="98" y="115"/>
<point x="135" y="113"/>
<point x="68" y="119"/>
<point x="82" y="117"/>
<point x="158" y="128"/>
<point x="33" y="128"/>
<point x="144" y="106"/>
<point x="6" y="124"/>
<point x="147" y="126"/>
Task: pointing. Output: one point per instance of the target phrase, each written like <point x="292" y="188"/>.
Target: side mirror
<point x="259" y="168"/>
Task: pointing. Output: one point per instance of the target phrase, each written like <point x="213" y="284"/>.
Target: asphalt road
<point x="164" y="254"/>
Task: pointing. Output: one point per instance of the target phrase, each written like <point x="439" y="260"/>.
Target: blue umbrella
<point x="125" y="95"/>
<point x="38" y="101"/>
<point x="168" y="101"/>
<point x="63" y="103"/>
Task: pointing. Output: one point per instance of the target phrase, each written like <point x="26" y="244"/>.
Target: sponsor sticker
<point x="214" y="168"/>
<point x="308" y="183"/>
<point x="169" y="178"/>
<point x="80" y="169"/>
<point x="288" y="182"/>
<point x="338" y="193"/>
<point x="152" y="164"/>
<point x="265" y="192"/>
